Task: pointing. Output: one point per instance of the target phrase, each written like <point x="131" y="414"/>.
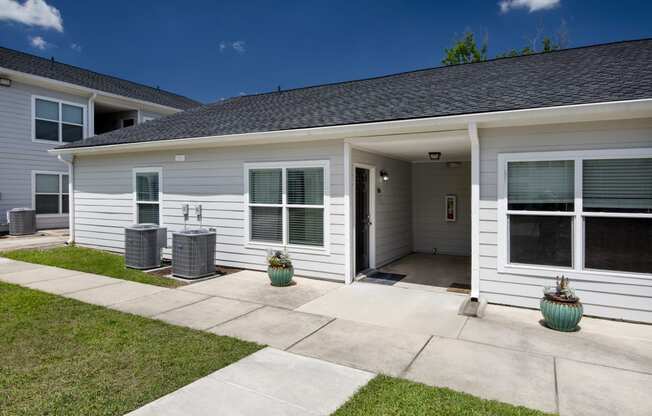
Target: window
<point x="585" y="211"/>
<point x="286" y="203"/>
<point x="50" y="193"/>
<point x="147" y="195"/>
<point x="58" y="121"/>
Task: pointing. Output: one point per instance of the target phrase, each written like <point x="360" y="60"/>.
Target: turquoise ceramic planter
<point x="560" y="315"/>
<point x="280" y="276"/>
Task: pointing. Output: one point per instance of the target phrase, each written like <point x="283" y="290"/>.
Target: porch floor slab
<point x="207" y="313"/>
<point x="405" y="309"/>
<point x="268" y="382"/>
<point x="586" y="390"/>
<point x="254" y="286"/>
<point x="602" y="342"/>
<point x="489" y="372"/>
<point x="363" y="346"/>
<point x="279" y="328"/>
<point x="429" y="272"/>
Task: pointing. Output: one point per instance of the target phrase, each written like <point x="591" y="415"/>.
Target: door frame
<point x="372" y="215"/>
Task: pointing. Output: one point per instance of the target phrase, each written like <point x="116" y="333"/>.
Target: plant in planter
<point x="279" y="270"/>
<point x="561" y="308"/>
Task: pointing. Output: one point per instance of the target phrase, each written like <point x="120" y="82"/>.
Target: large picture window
<point x="50" y="193"/>
<point x="147" y="195"/>
<point x="57" y="121"/>
<point x="586" y="212"/>
<point x="286" y="203"/>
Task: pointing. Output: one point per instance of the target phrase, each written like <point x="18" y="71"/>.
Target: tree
<point x="465" y="50"/>
<point x="547" y="45"/>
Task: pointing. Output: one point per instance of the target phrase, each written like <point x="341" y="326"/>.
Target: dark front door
<point x="362" y="219"/>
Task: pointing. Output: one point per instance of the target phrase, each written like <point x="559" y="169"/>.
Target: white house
<point x="44" y="103"/>
<point x="524" y="168"/>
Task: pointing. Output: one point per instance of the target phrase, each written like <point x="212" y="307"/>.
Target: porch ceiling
<point x="454" y="145"/>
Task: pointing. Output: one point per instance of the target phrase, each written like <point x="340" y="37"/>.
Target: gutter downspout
<point x="70" y="161"/>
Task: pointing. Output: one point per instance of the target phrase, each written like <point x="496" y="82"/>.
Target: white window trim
<point x="297" y="248"/>
<point x="159" y="171"/>
<point x="84" y="124"/>
<point x="61" y="192"/>
<point x="577" y="271"/>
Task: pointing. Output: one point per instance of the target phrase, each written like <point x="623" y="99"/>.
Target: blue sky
<point x="210" y="50"/>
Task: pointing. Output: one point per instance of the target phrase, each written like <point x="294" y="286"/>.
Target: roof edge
<point x="601" y="111"/>
<point x="9" y="71"/>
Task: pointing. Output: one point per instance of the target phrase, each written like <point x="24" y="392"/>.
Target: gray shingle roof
<point x="35" y="65"/>
<point x="602" y="73"/>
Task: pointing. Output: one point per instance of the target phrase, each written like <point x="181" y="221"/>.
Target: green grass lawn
<point x="59" y="356"/>
<point x="90" y="261"/>
<point x="392" y="396"/>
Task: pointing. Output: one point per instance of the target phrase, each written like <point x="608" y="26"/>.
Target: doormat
<point x="383" y="278"/>
<point x="459" y="288"/>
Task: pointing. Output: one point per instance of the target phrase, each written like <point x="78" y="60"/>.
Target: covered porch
<point x="410" y="199"/>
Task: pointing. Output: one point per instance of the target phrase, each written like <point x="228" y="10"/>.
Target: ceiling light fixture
<point x="434" y="155"/>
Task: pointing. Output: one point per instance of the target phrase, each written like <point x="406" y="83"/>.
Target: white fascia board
<point x="77" y="89"/>
<point x="615" y="110"/>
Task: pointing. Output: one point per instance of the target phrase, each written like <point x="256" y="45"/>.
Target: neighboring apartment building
<point x="45" y="103"/>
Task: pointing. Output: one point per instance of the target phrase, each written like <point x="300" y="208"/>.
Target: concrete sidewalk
<point x="42" y="239"/>
<point x="606" y="368"/>
<point x="268" y="382"/>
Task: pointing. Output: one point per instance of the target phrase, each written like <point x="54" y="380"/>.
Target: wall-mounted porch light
<point x="434" y="155"/>
<point x="384" y="176"/>
<point x="5" y="82"/>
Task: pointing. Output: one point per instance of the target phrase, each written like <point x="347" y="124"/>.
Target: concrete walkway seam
<point x="310" y="334"/>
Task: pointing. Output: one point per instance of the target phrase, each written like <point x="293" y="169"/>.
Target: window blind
<point x="148" y="214"/>
<point x="266" y="224"/>
<point x="47" y="184"/>
<point x="305" y="186"/>
<point x="617" y="185"/>
<point x="266" y="186"/>
<point x="147" y="186"/>
<point x="306" y="226"/>
<point x="541" y="185"/>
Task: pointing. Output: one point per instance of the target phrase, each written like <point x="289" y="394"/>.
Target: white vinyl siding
<point x="608" y="294"/>
<point x="21" y="155"/>
<point x="214" y="178"/>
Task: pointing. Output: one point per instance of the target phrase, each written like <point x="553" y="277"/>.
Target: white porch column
<point x="475" y="210"/>
<point x="348" y="246"/>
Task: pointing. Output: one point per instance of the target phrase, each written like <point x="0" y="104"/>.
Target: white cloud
<point x="236" y="45"/>
<point x="239" y="46"/>
<point x="76" y="47"/>
<point x="32" y="13"/>
<point x="531" y="5"/>
<point x="38" y="42"/>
